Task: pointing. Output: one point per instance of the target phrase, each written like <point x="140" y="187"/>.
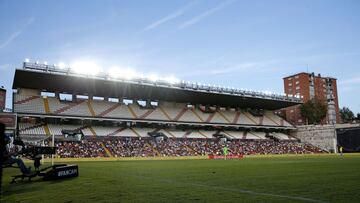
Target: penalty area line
<point x="244" y="191"/>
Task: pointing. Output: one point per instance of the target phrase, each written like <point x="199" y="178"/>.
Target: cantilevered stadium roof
<point x="65" y="82"/>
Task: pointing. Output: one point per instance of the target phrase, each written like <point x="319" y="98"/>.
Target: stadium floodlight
<point x="172" y="80"/>
<point x="45" y="62"/>
<point x="27" y="60"/>
<point x="85" y="67"/>
<point x="61" y="65"/>
<point x="153" y="78"/>
<point x="114" y="72"/>
<point x="122" y="73"/>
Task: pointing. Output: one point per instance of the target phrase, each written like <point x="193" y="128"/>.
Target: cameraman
<point x="10" y="158"/>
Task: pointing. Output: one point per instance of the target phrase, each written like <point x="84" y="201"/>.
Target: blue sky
<point x="237" y="43"/>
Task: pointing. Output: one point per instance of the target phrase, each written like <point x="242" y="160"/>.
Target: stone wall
<point x="322" y="136"/>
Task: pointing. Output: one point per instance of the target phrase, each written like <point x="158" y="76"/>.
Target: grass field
<point x="312" y="178"/>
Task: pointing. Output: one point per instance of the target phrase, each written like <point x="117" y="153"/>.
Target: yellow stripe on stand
<point x="107" y="151"/>
<point x="170" y="133"/>
<point x="222" y="115"/>
<point x="154" y="149"/>
<point x="47" y="130"/>
<point x="201" y="133"/>
<point x="134" y="131"/>
<point x="165" y="113"/>
<point x="132" y="111"/>
<point x="249" y="117"/>
<point x="197" y="115"/>
<point x="91" y="109"/>
<point x="92" y="131"/>
<point x="46" y="105"/>
<point x="268" y="117"/>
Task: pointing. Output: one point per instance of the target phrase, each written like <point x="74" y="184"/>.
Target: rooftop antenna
<point x="307" y="68"/>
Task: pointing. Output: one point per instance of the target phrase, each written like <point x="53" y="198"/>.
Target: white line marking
<point x="233" y="189"/>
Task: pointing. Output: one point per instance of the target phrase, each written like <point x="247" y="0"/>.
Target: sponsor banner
<point x="8" y="119"/>
<point x="60" y="172"/>
<point x="228" y="157"/>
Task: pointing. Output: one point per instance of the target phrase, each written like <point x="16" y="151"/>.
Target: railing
<point x="194" y="86"/>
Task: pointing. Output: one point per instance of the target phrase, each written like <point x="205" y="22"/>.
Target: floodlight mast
<point x="128" y="75"/>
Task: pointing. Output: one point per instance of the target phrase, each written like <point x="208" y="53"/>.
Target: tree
<point x="346" y="115"/>
<point x="314" y="111"/>
<point x="358" y="116"/>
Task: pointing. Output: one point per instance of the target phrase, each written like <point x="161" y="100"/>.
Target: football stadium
<point x="141" y="139"/>
<point x="179" y="101"/>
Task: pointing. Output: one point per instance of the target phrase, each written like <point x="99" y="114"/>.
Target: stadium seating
<point x="166" y="111"/>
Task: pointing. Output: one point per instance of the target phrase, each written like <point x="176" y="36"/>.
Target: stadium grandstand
<point x="100" y="115"/>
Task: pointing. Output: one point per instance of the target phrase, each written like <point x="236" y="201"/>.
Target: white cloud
<point x="351" y="81"/>
<point x="171" y="16"/>
<point x="233" y="68"/>
<point x="15" y="34"/>
<point x="205" y="14"/>
<point x="4" y="67"/>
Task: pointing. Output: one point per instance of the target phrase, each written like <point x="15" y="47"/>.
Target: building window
<point x="296" y="77"/>
<point x="297" y="82"/>
<point x="297" y="87"/>
<point x="289" y="78"/>
<point x="290" y="84"/>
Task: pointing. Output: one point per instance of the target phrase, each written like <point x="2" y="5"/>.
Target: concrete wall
<point x="323" y="136"/>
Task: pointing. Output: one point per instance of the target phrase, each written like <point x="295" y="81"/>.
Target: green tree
<point x="346" y="114"/>
<point x="358" y="116"/>
<point x="314" y="111"/>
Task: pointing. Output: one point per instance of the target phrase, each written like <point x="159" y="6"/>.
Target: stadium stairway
<point x="153" y="148"/>
<point x="107" y="151"/>
<point x="132" y="111"/>
<point x="223" y="116"/>
<point x="272" y="120"/>
<point x="198" y="116"/>
<point x="91" y="109"/>
<point x="46" y="129"/>
<point x="165" y="113"/>
<point x="134" y="131"/>
<point x="250" y="117"/>
<point x="170" y="133"/>
<point x="46" y="105"/>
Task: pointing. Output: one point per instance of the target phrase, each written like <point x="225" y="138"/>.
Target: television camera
<point x="35" y="153"/>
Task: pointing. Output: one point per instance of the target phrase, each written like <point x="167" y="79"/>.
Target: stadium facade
<point x="100" y="110"/>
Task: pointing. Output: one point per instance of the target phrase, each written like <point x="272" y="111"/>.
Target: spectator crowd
<point x="140" y="147"/>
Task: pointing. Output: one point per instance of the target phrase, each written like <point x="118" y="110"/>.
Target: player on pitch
<point x="225" y="151"/>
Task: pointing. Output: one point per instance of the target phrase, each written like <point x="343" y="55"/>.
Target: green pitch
<point x="312" y="178"/>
